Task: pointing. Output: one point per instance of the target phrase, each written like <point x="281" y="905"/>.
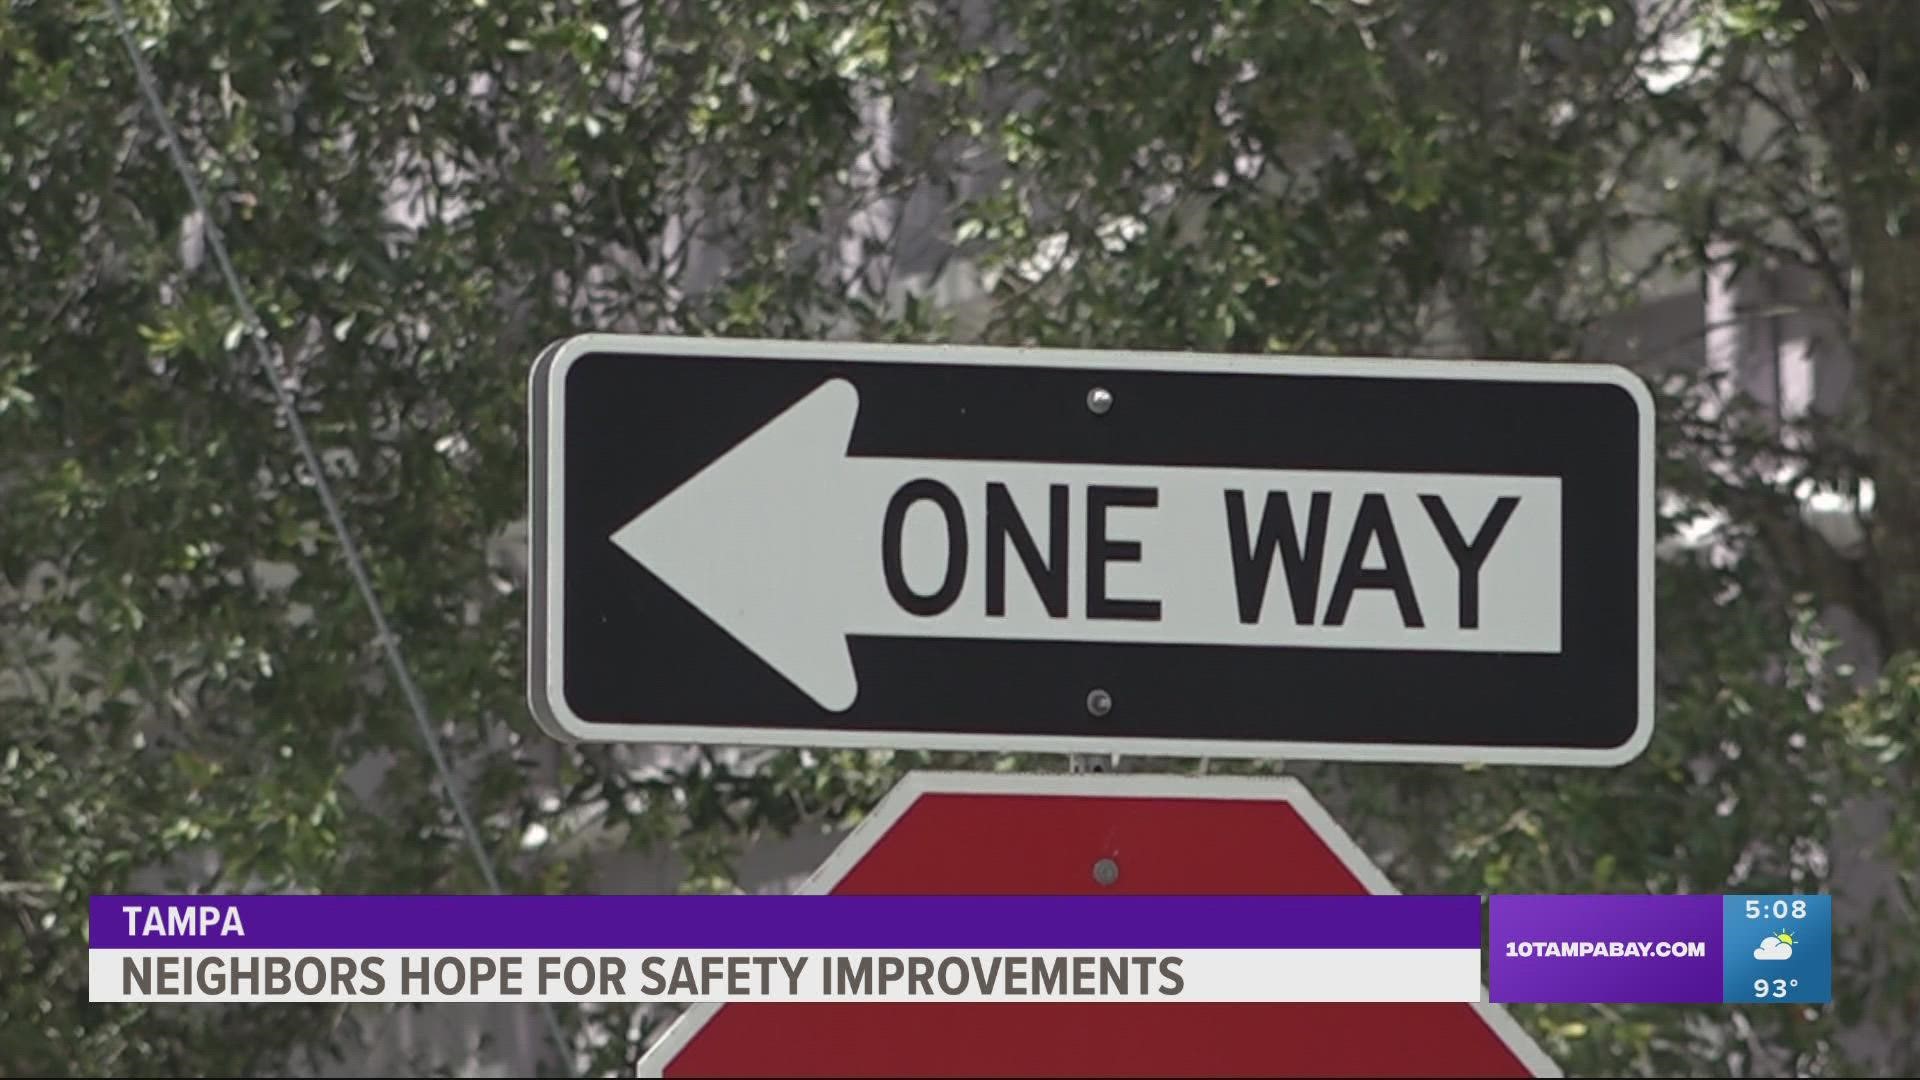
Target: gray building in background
<point x="1763" y="333"/>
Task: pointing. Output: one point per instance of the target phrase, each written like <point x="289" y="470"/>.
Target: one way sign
<point x="965" y="548"/>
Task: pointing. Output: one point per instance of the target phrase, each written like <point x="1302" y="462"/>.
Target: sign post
<point x="828" y="544"/>
<point x="987" y="834"/>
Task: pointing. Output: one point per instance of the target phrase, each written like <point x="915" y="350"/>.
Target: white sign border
<point x="546" y="622"/>
<point x="911" y="787"/>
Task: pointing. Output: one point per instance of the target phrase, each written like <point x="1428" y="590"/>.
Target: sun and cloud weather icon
<point x="1775" y="947"/>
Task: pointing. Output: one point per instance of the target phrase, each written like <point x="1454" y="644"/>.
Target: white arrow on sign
<point x="792" y="546"/>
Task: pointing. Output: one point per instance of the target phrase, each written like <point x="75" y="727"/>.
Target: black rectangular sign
<point x="927" y="547"/>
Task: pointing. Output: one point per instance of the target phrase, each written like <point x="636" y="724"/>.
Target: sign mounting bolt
<point x="1106" y="871"/>
<point x="1099" y="702"/>
<point x="1099" y="400"/>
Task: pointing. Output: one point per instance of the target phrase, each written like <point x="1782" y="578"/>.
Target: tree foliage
<point x="419" y="196"/>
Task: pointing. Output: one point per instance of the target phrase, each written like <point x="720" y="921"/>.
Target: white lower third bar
<point x="627" y="975"/>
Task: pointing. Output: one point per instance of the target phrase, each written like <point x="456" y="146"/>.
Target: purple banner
<point x="791" y="922"/>
<point x="1624" y="949"/>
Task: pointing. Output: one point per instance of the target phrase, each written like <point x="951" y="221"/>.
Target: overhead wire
<point x="256" y="332"/>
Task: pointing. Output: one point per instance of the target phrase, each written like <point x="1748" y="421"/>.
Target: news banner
<point x="1771" y="949"/>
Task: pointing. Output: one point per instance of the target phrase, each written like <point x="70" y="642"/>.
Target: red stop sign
<point x="969" y="833"/>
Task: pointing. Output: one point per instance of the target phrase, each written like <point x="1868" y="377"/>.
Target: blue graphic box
<point x="1778" y="948"/>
